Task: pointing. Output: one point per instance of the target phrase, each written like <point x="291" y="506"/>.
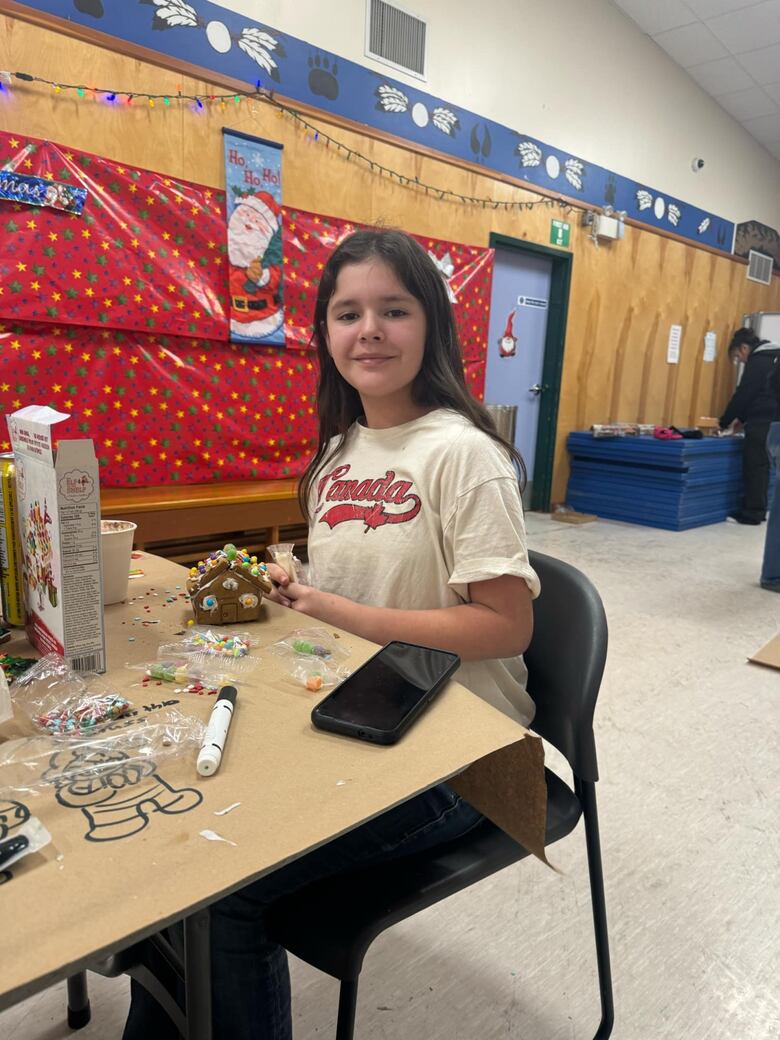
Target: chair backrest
<point x="566" y="661"/>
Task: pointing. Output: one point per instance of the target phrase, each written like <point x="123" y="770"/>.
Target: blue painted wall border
<point x="203" y="34"/>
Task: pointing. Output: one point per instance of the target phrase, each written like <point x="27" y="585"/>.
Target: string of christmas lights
<point x="201" y="101"/>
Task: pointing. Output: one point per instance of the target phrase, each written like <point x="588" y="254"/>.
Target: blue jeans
<point x="770" y="569"/>
<point x="250" y="977"/>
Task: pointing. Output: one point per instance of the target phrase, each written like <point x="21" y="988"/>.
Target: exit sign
<point x="559" y="232"/>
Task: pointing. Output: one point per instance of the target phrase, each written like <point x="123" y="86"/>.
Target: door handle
<point x="536" y="389"/>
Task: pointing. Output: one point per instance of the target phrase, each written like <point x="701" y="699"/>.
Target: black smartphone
<point x="380" y="700"/>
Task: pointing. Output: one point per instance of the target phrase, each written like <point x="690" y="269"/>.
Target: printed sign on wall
<point x="253" y="181"/>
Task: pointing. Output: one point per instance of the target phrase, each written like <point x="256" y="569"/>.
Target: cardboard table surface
<point x="130" y="858"/>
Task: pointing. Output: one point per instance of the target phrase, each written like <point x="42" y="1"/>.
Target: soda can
<point x="11" y="587"/>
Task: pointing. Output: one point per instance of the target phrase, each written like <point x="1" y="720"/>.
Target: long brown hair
<point x="440" y="381"/>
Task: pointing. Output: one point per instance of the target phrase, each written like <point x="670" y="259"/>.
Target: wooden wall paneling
<point x="637" y="273"/>
<point x="694" y="322"/>
<point x="714" y="387"/>
<point x="624" y="295"/>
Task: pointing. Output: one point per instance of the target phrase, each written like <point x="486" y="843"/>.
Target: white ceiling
<point x="730" y="47"/>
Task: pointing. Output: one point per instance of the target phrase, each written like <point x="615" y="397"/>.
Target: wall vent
<point x="759" y="267"/>
<point x="395" y="37"/>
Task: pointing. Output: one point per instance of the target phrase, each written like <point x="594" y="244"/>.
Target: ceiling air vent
<point x="396" y="38"/>
<point x="759" y="267"/>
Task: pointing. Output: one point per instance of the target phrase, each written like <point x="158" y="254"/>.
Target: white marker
<point x="210" y="754"/>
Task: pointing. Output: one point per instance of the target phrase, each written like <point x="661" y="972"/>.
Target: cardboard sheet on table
<point x="121" y="870"/>
<point x="769" y="654"/>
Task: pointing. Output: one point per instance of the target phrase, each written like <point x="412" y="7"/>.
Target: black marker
<point x="216" y="732"/>
<point x="12" y="847"/>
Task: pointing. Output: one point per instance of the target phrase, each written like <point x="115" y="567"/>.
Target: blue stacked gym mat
<point x="671" y="484"/>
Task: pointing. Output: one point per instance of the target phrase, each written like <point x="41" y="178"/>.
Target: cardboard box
<point x="58" y="498"/>
<point x="768" y="655"/>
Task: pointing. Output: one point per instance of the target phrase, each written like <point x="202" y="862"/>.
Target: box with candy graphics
<point x="58" y="502"/>
<point x="228" y="587"/>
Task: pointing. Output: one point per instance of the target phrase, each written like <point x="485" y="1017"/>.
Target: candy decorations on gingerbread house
<point x="228" y="587"/>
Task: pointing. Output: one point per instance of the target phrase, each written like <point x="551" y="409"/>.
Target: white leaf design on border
<point x="391" y="99"/>
<point x="258" y="45"/>
<point x="703" y="226"/>
<point x="644" y="199"/>
<point x="530" y="154"/>
<point x="176" y="12"/>
<point x="445" y="121"/>
<point x="673" y="214"/>
<point x="574" y="172"/>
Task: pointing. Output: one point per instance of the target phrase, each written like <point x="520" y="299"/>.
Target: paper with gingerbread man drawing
<point x="253" y="179"/>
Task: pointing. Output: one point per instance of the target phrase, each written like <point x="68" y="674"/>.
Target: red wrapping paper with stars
<point x="119" y="317"/>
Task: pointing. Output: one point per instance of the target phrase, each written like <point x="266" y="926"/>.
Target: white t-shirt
<point x="407" y="517"/>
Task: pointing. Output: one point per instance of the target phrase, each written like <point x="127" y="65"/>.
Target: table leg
<point x="197" y="973"/>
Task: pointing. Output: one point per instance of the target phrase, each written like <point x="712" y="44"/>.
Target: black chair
<point x="565" y="664"/>
<point x="159" y="968"/>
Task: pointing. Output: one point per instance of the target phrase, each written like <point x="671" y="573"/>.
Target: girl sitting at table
<point x="416" y="534"/>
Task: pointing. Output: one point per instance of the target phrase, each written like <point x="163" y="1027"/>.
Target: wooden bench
<point x="181" y="523"/>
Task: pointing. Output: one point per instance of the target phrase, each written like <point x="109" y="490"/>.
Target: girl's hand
<point x="303" y="598"/>
<point x="280" y="580"/>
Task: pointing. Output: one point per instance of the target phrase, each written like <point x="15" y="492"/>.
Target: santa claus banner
<point x="253" y="180"/>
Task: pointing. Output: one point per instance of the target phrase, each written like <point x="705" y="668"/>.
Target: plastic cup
<point x="282" y="556"/>
<point x="116" y="546"/>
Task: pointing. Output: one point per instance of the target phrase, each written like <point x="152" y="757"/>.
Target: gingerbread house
<point x="225" y="593"/>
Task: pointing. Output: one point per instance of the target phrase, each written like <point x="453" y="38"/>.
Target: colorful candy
<point x="216" y="643"/>
<point x="303" y="646"/>
<point x="236" y="557"/>
<point x="167" y="672"/>
<point x="15" y="666"/>
<point x="85" y="715"/>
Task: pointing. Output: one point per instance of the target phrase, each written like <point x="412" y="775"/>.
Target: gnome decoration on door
<point x="255" y="254"/>
<point x="507" y="345"/>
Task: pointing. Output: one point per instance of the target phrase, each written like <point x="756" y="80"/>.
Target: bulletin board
<point x="119" y="317"/>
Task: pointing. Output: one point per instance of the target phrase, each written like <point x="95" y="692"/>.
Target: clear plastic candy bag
<point x="59" y="700"/>
<point x="313" y="642"/>
<point x="125" y="750"/>
<point x="314" y="673"/>
<point x="200" y="639"/>
<point x="184" y="669"/>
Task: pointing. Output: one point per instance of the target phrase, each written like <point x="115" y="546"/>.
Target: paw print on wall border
<point x="90" y="7"/>
<point x="323" y="75"/>
<point x="481" y="141"/>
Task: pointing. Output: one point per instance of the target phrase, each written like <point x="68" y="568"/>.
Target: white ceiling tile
<point x="691" y="44"/>
<point x="749" y="104"/>
<point x="722" y="76"/>
<point x="655" y="17"/>
<point x="762" y="64"/>
<point x="773" y="90"/>
<point x="763" y="128"/>
<point x="712" y="8"/>
<point x="773" y="146"/>
<point x="756" y="26"/>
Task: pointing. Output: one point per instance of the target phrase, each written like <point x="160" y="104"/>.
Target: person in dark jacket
<point x="770" y="566"/>
<point x="754" y="406"/>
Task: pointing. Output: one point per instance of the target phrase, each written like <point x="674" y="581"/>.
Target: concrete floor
<point x="686" y="732"/>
